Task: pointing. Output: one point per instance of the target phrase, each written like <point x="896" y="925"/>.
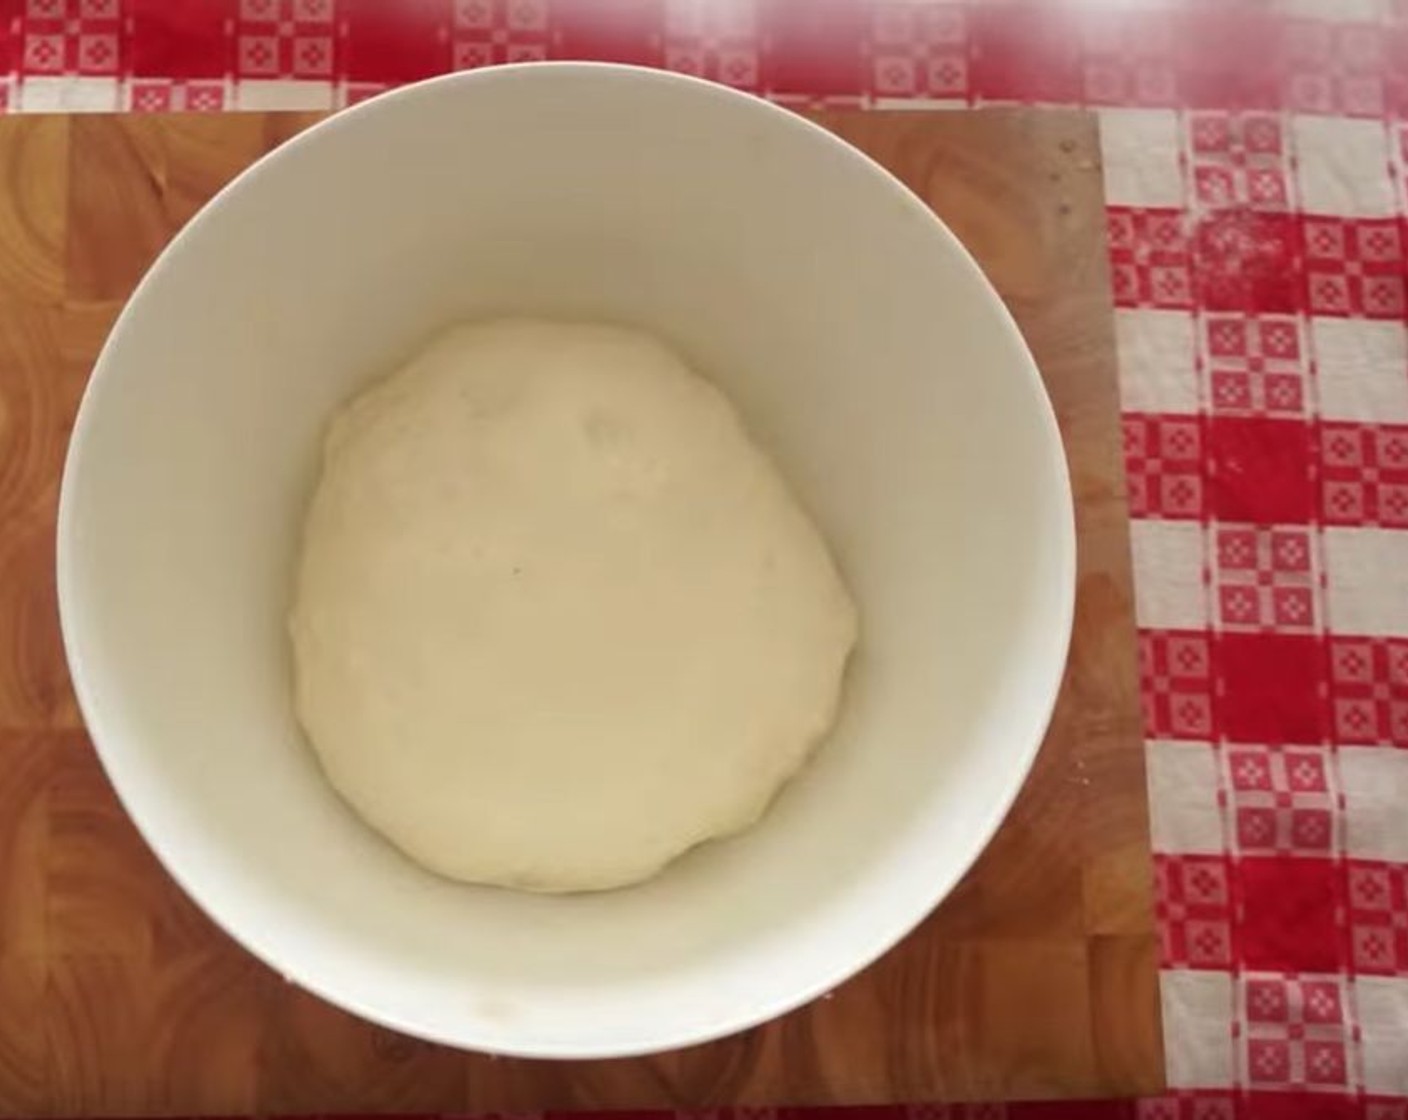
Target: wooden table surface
<point x="1036" y="978"/>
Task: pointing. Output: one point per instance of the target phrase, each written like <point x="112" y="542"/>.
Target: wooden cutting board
<point x="1036" y="978"/>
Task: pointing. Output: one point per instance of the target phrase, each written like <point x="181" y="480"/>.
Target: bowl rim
<point x="104" y="736"/>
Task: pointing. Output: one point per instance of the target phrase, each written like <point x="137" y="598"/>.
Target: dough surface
<point x="557" y="619"/>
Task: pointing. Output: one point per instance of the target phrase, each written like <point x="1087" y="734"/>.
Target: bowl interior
<point x="864" y="349"/>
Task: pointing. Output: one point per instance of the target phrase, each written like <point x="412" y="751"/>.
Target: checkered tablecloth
<point x="1256" y="166"/>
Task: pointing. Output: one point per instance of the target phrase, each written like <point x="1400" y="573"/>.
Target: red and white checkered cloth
<point x="1256" y="165"/>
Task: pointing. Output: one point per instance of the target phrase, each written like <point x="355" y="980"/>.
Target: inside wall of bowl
<point x="854" y="339"/>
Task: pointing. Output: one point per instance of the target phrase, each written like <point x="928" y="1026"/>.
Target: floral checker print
<point x="1130" y="59"/>
<point x="1364" y="474"/>
<point x="1164" y="463"/>
<point x="919" y="51"/>
<point x="1201" y="1104"/>
<point x="72" y="37"/>
<point x="715" y="39"/>
<point x="162" y="95"/>
<point x="1378" y="917"/>
<point x="1150" y="261"/>
<point x="1333" y="68"/>
<point x="1255" y="363"/>
<point x="1193" y="900"/>
<point x="1297" y="1032"/>
<point x="1283" y="800"/>
<point x="1264" y="578"/>
<point x="1354" y="268"/>
<point x="1176" y="684"/>
<point x="1369" y="690"/>
<point x="284" y="39"/>
<point x="485" y="32"/>
<point x="1238" y="159"/>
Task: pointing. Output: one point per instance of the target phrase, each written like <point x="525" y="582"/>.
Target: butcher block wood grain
<point x="1036" y="978"/>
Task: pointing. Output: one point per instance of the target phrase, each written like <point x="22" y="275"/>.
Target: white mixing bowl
<point x="866" y="351"/>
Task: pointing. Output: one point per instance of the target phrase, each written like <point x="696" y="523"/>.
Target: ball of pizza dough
<point x="557" y="619"/>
